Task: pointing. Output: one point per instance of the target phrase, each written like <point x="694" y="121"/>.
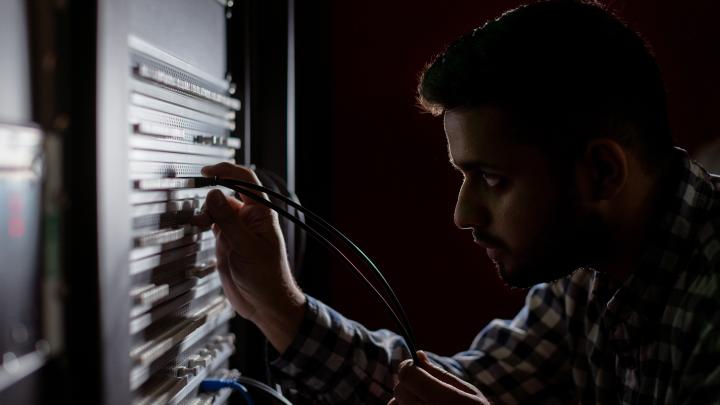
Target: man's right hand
<point x="429" y="384"/>
<point x="252" y="260"/>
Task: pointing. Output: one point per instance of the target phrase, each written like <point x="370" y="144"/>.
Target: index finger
<point x="237" y="172"/>
<point x="444" y="375"/>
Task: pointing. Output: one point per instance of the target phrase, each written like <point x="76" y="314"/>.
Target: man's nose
<point x="471" y="213"/>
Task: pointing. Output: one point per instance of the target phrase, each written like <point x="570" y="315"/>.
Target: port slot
<point x="164" y="339"/>
<point x="180" y="98"/>
<point x="165" y="244"/>
<point x="158" y="123"/>
<point x="161" y="76"/>
<point x="159" y="105"/>
<point x="190" y="301"/>
<point x="153" y="143"/>
<point x="144" y="197"/>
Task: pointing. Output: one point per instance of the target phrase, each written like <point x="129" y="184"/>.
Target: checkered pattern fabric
<point x="653" y="339"/>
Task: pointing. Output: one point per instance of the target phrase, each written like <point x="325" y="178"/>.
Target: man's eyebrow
<point x="471" y="165"/>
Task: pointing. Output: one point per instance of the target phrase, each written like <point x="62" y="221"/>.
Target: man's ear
<point x="603" y="169"/>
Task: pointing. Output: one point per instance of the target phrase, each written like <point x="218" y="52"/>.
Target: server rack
<point x="136" y="95"/>
<point x="24" y="350"/>
<point x="152" y="101"/>
<point x="159" y="325"/>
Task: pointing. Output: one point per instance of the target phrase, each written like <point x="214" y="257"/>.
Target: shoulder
<point x="567" y="295"/>
<point x="576" y="287"/>
<point x="699" y="283"/>
<point x="701" y="278"/>
<point x="695" y="296"/>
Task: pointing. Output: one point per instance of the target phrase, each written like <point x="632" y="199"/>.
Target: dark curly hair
<point x="566" y="71"/>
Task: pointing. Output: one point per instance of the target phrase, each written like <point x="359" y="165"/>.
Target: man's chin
<point x="512" y="278"/>
<point x="524" y="277"/>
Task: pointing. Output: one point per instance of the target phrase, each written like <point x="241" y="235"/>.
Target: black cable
<point x="404" y="328"/>
<point x="276" y="183"/>
<point x="334" y="248"/>
<point x="330" y="228"/>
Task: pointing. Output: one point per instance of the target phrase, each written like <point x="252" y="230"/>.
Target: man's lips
<point x="485" y="239"/>
<point x="493" y="250"/>
<point x="485" y="245"/>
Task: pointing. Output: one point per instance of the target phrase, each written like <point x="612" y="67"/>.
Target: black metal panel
<point x="77" y="96"/>
<point x="92" y="62"/>
<point x="314" y="144"/>
<point x="266" y="82"/>
<point x="261" y="60"/>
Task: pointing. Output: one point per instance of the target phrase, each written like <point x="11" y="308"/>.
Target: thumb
<point x="227" y="219"/>
<point x="443" y="375"/>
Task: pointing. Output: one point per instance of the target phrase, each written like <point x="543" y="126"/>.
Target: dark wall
<point x="378" y="167"/>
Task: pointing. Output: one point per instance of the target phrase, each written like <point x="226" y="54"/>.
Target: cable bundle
<point x="326" y="230"/>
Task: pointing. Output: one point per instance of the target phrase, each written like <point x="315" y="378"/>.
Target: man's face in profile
<point x="522" y="211"/>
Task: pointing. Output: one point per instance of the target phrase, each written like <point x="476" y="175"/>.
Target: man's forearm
<point x="330" y="353"/>
<point x="280" y="323"/>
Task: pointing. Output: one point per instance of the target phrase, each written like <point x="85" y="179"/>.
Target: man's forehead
<point x="475" y="133"/>
<point x="484" y="138"/>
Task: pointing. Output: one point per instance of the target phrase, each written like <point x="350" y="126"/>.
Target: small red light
<point x="16" y="228"/>
<point x="16" y="224"/>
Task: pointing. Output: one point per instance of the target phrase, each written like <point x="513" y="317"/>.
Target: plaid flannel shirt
<point x="653" y="339"/>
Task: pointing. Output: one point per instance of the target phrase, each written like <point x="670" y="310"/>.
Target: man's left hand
<point x="428" y="384"/>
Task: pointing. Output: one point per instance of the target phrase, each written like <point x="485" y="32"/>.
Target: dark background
<point x="377" y="167"/>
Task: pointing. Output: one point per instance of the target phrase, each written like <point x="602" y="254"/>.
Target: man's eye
<point x="491" y="179"/>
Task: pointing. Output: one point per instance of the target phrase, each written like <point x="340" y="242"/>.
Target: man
<point x="555" y="115"/>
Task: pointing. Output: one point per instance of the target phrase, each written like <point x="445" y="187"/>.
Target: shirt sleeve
<point x="336" y="360"/>
<point x="526" y="359"/>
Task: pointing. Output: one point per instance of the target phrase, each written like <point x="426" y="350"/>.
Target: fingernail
<point x="204" y="170"/>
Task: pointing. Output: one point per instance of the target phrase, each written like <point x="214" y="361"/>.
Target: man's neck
<point x="635" y="218"/>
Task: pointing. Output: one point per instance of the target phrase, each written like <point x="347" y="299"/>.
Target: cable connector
<point x="205" y="181"/>
<point x="217" y="384"/>
<point x="213" y="385"/>
<point x="238" y="384"/>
